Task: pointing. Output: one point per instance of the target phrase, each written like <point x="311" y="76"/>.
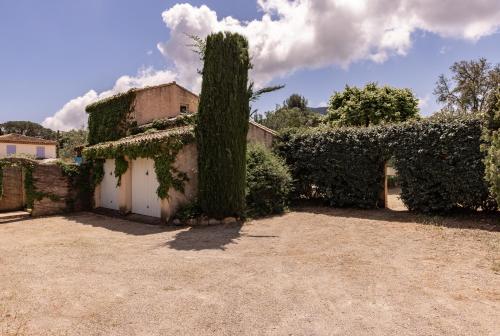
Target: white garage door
<point x="109" y="191"/>
<point x="145" y="201"/>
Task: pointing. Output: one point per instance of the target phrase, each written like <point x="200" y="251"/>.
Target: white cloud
<point x="72" y="114"/>
<point x="297" y="34"/>
<point x="423" y="102"/>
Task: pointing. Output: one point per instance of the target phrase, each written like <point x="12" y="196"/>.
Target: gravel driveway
<point x="310" y="272"/>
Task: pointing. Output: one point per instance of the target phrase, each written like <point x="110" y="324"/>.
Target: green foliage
<point x="189" y="211"/>
<point x="121" y="167"/>
<point x="69" y="140"/>
<point x="27" y="128"/>
<point x="167" y="123"/>
<point x="440" y="165"/>
<point x="371" y="105"/>
<point x="168" y="177"/>
<point x="296" y="101"/>
<point x="268" y="182"/>
<point x="163" y="149"/>
<point x="492" y="145"/>
<point x="342" y="166"/>
<point x="223" y="125"/>
<point x="283" y="118"/>
<point x="97" y="171"/>
<point x="109" y="118"/>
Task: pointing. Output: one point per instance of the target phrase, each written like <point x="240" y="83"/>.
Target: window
<point x="184" y="108"/>
<point x="40" y="152"/>
<point x="11" y="149"/>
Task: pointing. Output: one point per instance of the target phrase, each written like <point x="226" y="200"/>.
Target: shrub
<point x="343" y="166"/>
<point x="223" y="125"/>
<point x="268" y="182"/>
<point x="440" y="165"/>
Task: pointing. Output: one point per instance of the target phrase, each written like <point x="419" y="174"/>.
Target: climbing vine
<point x="168" y="176"/>
<point x="161" y="146"/>
<point x="109" y="119"/>
<point x="121" y="166"/>
<point x="166" y="123"/>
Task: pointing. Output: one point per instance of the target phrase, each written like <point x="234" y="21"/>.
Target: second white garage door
<point x="145" y="201"/>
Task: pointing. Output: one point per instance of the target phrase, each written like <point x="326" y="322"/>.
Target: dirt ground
<point x="313" y="271"/>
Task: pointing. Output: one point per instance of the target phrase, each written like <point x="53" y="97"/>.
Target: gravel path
<point x="310" y="272"/>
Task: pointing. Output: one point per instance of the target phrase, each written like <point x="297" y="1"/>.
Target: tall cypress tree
<point x="223" y="125"/>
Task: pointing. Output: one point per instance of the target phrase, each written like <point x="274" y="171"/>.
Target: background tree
<point x="296" y="101"/>
<point x="69" y="140"/>
<point x="293" y="113"/>
<point x="222" y="125"/>
<point x="470" y="87"/>
<point x="27" y="128"/>
<point x="371" y="105"/>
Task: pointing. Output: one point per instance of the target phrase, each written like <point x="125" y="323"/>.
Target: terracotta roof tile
<point x="18" y="138"/>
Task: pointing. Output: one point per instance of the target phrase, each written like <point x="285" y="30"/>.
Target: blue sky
<point x="54" y="51"/>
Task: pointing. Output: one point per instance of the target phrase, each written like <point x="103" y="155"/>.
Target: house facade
<point x="16" y="144"/>
<point x="137" y="190"/>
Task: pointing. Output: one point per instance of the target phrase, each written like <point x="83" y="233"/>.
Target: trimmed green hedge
<point x="343" y="166"/>
<point x="268" y="182"/>
<point x="440" y="164"/>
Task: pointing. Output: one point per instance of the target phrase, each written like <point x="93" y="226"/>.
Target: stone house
<point x="16" y="144"/>
<point x="136" y="192"/>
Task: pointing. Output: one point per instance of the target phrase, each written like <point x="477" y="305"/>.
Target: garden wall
<point x="47" y="188"/>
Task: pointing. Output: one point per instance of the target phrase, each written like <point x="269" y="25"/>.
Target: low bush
<point x="268" y="182"/>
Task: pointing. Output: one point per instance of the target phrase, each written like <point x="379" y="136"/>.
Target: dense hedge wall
<point x="222" y="125"/>
<point x="343" y="166"/>
<point x="109" y="118"/>
<point x="440" y="165"/>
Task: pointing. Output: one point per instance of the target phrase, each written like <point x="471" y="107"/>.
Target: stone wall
<point x="13" y="189"/>
<point x="49" y="179"/>
<point x="53" y="188"/>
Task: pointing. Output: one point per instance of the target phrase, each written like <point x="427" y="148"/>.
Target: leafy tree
<point x="27" y="128"/>
<point x="284" y="117"/>
<point x="222" y="126"/>
<point x="371" y="105"/>
<point x="296" y="101"/>
<point x="470" y="87"/>
<point x="69" y="140"/>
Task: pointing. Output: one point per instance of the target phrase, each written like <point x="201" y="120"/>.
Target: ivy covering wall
<point x="109" y="119"/>
<point x="223" y="125"/>
<point x="161" y="146"/>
